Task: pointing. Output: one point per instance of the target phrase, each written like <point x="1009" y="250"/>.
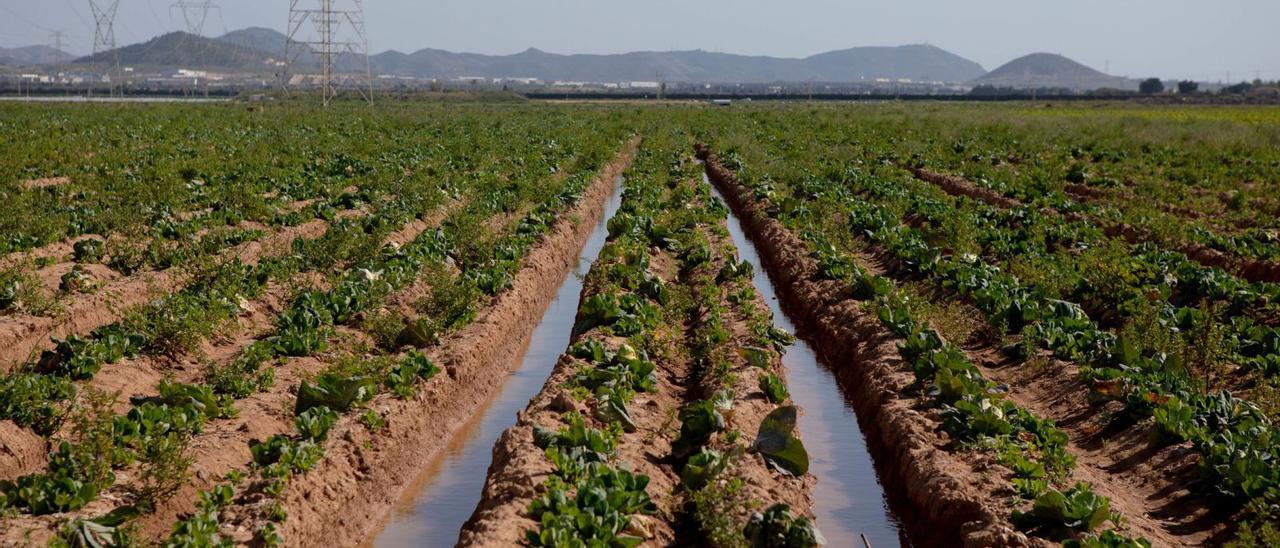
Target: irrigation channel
<point x="849" y="500"/>
<point x="446" y="493"/>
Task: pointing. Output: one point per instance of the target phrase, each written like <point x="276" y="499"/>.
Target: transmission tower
<point x="57" y="37"/>
<point x="331" y="31"/>
<point x="195" y="13"/>
<point x="104" y="35"/>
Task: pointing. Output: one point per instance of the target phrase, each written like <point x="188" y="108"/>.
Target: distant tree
<point x="1151" y="86"/>
<point x="1238" y="89"/>
<point x="1187" y="87"/>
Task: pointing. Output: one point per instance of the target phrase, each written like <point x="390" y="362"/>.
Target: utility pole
<point x="195" y="13"/>
<point x="104" y="37"/>
<point x="336" y="34"/>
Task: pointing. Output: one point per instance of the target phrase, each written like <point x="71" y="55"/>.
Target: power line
<point x="20" y="17"/>
<point x="330" y="43"/>
<point x="195" y="13"/>
<point x="76" y="11"/>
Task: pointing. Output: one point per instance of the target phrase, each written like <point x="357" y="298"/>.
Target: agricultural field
<point x="1014" y="324"/>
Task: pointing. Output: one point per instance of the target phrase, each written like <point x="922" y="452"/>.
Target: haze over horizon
<point x="1140" y="38"/>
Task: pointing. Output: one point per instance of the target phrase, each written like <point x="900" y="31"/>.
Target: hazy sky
<point x="1200" y="39"/>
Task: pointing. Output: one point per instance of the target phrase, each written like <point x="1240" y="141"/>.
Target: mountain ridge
<point x="261" y="50"/>
<point x="251" y="48"/>
<point x="183" y="50"/>
<point x="33" y="55"/>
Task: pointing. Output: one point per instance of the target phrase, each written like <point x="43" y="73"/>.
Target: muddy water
<point x="448" y="491"/>
<point x="849" y="501"/>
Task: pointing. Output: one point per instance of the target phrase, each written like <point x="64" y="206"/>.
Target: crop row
<point x="669" y="328"/>
<point x="368" y="273"/>
<point x="1215" y="177"/>
<point x="974" y="410"/>
<point x="1179" y="325"/>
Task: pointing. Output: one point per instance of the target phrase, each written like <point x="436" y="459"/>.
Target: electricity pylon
<point x="104" y="35"/>
<point x="195" y="13"/>
<point x="334" y="34"/>
<point x="57" y="37"/>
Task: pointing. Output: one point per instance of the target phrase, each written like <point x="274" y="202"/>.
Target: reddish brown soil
<point x="962" y="496"/>
<point x="961" y="187"/>
<point x="363" y="474"/>
<point x="1092" y="194"/>
<point x="1147" y="482"/>
<point x="21" y="451"/>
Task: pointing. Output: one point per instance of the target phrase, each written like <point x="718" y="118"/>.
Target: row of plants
<point x="178" y="323"/>
<point x="1063" y="259"/>
<point x="176" y="169"/>
<point x="1188" y="169"/>
<point x="351" y="383"/>
<point x="591" y="499"/>
<point x="975" y="411"/>
<point x="299" y="332"/>
<point x="194" y="201"/>
<point x="304" y="327"/>
<point x="1162" y="365"/>
<point x="737" y="353"/>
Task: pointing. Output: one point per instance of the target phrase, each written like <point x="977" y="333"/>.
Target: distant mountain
<point x="183" y="50"/>
<point x="918" y="63"/>
<point x="33" y="55"/>
<point x="267" y="41"/>
<point x="251" y="49"/>
<point x="914" y="62"/>
<point x="1047" y="70"/>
